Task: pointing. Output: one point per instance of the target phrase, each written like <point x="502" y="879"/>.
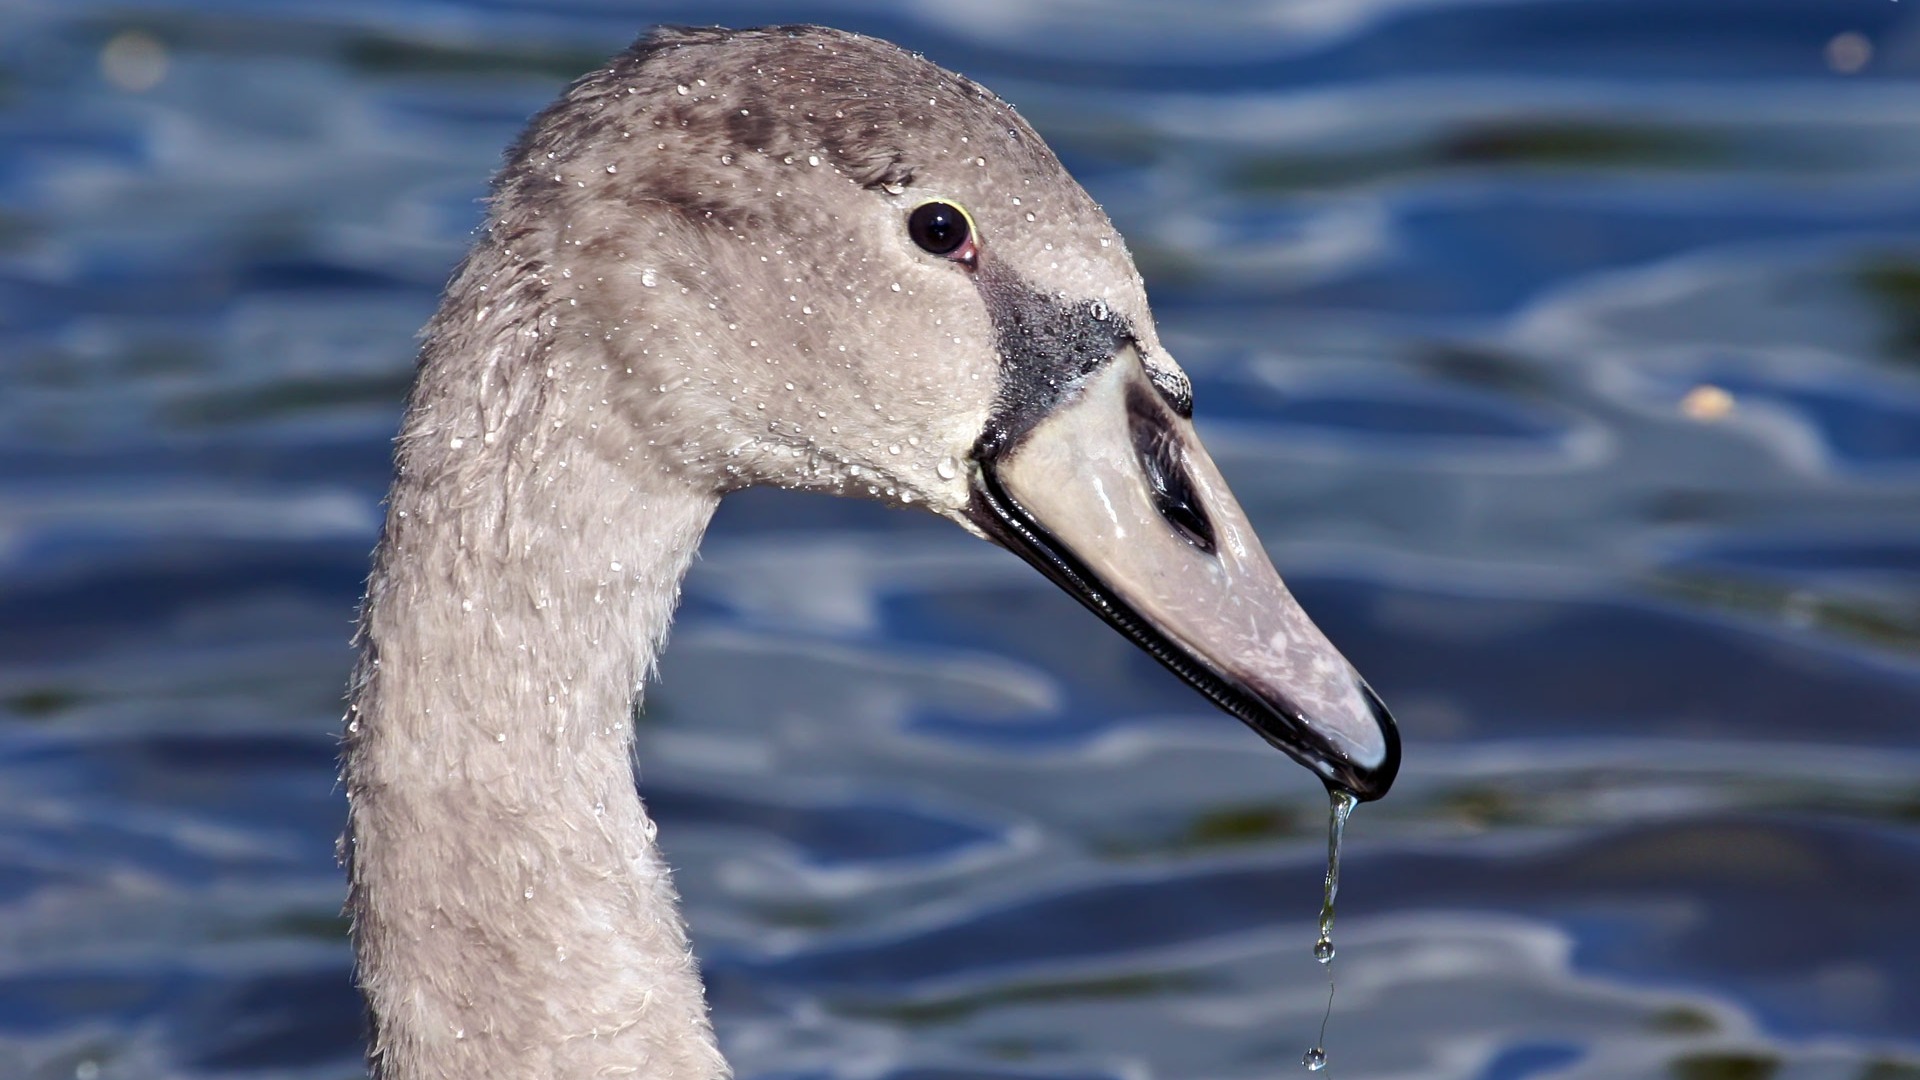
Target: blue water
<point x="1449" y="275"/>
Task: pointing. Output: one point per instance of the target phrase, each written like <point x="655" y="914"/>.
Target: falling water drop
<point x="1340" y="808"/>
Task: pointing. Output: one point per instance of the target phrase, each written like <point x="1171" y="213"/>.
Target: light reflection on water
<point x="1446" y="275"/>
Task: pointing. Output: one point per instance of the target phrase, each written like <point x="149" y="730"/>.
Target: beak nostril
<point x="1163" y="463"/>
<point x="1173" y="496"/>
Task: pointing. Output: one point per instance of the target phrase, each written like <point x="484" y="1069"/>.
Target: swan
<point x="791" y="256"/>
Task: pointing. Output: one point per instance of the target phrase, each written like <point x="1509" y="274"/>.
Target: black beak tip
<point x="1368" y="783"/>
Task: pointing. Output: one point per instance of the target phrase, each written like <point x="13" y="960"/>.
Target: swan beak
<point x="1112" y="496"/>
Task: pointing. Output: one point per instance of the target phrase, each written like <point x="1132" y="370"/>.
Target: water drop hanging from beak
<point x="1340" y="808"/>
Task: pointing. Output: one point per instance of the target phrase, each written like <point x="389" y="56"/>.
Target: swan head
<point x="806" y="258"/>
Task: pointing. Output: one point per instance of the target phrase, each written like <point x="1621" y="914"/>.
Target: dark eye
<point x="940" y="229"/>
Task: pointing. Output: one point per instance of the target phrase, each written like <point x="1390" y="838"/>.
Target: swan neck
<point x="512" y="914"/>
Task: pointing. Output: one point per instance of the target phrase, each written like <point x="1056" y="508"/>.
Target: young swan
<point x="787" y="256"/>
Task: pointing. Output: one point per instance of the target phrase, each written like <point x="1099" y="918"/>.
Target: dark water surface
<point x="1567" y="354"/>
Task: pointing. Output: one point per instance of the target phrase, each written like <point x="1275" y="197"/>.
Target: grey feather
<point x="693" y="278"/>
